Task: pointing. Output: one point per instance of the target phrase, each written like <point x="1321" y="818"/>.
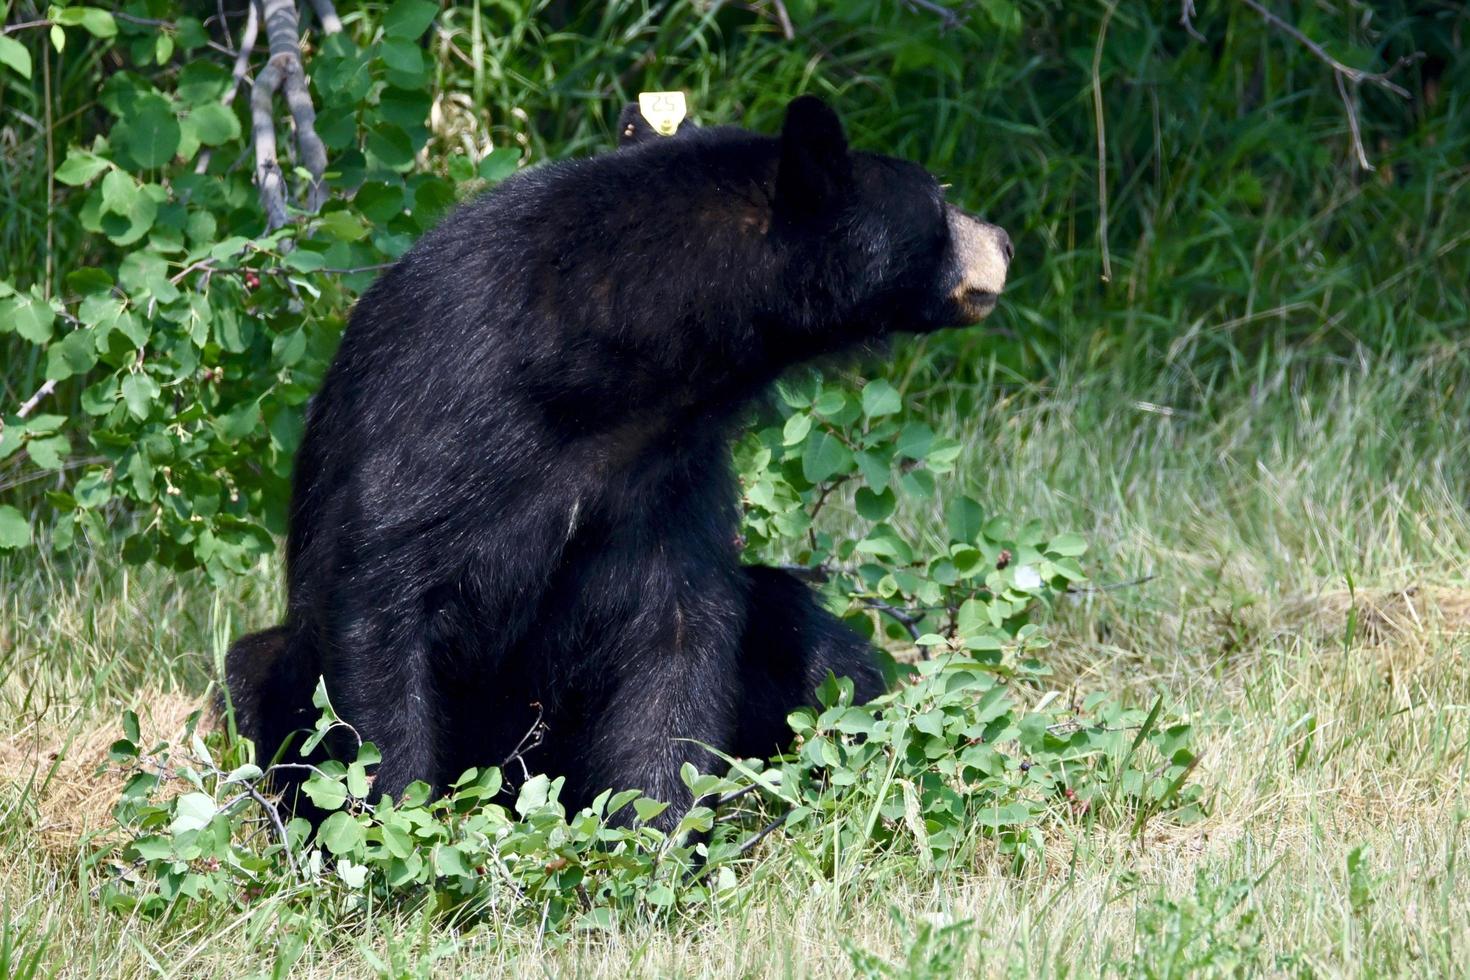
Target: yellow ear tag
<point x="663" y="110"/>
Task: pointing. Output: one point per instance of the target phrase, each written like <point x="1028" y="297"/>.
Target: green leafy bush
<point x="952" y="765"/>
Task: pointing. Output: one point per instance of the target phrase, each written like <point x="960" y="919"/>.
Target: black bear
<point x="514" y="499"/>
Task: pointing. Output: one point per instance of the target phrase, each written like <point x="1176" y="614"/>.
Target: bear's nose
<point x="1006" y="248"/>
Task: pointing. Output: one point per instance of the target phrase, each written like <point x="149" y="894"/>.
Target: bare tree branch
<point x="1354" y="75"/>
<point x="327" y="14"/>
<point x="29" y="405"/>
<point x="908" y="621"/>
<point x="283" y="73"/>
<point x="947" y="17"/>
<point x="248" y="33"/>
<point x="1341" y="73"/>
<point x="1186" y="18"/>
<point x="1352" y="118"/>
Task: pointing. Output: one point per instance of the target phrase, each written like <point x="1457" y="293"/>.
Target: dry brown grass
<point x="55" y="770"/>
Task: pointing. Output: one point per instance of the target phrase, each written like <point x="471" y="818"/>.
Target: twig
<point x="141" y="21"/>
<point x="278" y="824"/>
<point x="762" y="833"/>
<point x="817" y="574"/>
<point x="1186" y="18"/>
<point x="248" y="34"/>
<point x="1352" y="118"/>
<point x="327" y="14"/>
<point x="821" y="501"/>
<point x="947" y="16"/>
<point x="1341" y="73"/>
<point x="784" y="19"/>
<point x="1110" y="587"/>
<point x="1354" y="75"/>
<point x="534" y="736"/>
<point x="1102" y="143"/>
<point x="29" y="405"/>
<point x="909" y="622"/>
<point x="734" y="795"/>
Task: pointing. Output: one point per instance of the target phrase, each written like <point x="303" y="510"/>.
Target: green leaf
<point x="73" y="354"/>
<point x="138" y="391"/>
<point x="824" y="457"/>
<point x="192" y="812"/>
<point x="830" y="402"/>
<point x="390" y="144"/>
<point x="80" y="167"/>
<point x="340" y="833"/>
<point x="500" y="164"/>
<point x="875" y="506"/>
<point x="402" y="56"/>
<point x="213" y="124"/>
<point x="343" y="225"/>
<point x="29" y="315"/>
<point x="880" y="398"/>
<point x="647" y="809"/>
<point x="449" y="860"/>
<point x="965" y="519"/>
<point x="95" y="21"/>
<point x="1067" y="545"/>
<point x="152" y="134"/>
<point x="15" y="55"/>
<point x="409" y="18"/>
<point x="796" y="428"/>
<point x="1005" y="815"/>
<point x="328" y="794"/>
<point x="15" y="530"/>
<point x="48" y="453"/>
<point x="128" y="209"/>
<point x="914" y="440"/>
<point x="397" y="841"/>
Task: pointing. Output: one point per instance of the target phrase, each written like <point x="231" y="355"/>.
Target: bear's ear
<point x="634" y="129"/>
<point x="815" y="171"/>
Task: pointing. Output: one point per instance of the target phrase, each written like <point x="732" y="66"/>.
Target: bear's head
<point x="861" y="244"/>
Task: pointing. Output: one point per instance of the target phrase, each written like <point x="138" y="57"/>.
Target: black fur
<point x="515" y="485"/>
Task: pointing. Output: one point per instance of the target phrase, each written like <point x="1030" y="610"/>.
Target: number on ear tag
<point x="663" y="110"/>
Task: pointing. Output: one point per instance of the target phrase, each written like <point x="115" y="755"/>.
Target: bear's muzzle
<point x="983" y="254"/>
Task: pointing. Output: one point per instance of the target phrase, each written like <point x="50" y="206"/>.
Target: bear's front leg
<point x="790" y="645"/>
<point x="379" y="676"/>
<point x="674" y="690"/>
